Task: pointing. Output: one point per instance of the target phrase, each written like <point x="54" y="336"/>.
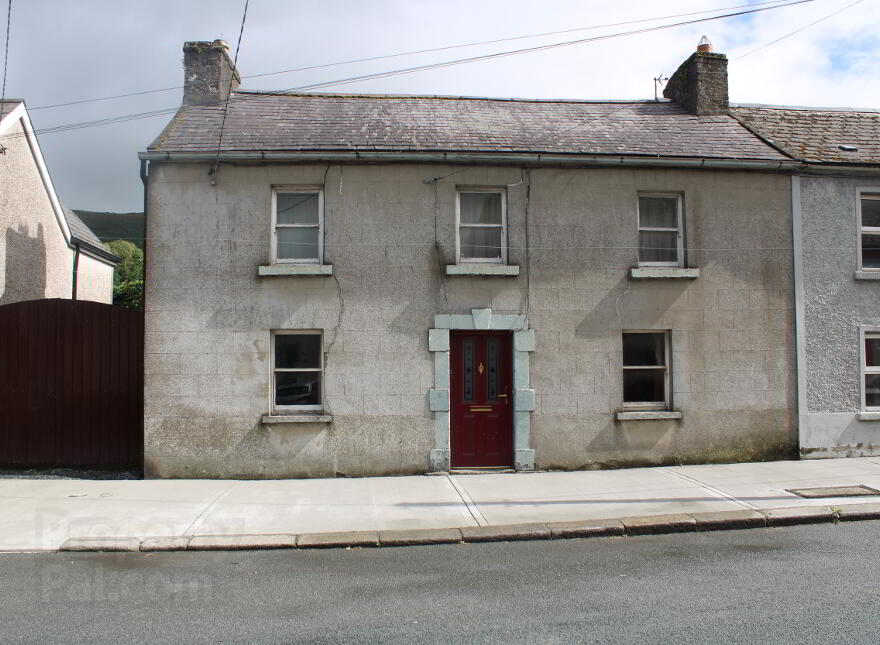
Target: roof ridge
<point x="804" y="108"/>
<point x="452" y="97"/>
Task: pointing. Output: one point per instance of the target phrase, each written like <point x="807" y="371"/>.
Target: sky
<point x="68" y="50"/>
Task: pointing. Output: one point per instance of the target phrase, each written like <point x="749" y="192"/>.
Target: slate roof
<point x="338" y="122"/>
<point x="8" y="106"/>
<point x="79" y="229"/>
<point x="815" y="135"/>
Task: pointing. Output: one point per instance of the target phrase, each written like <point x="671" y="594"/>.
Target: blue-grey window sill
<point x="868" y="416"/>
<point x="648" y="415"/>
<point x="294" y="269"/>
<point x="867" y="275"/>
<point x="478" y="269"/>
<point x="663" y="273"/>
<point x="296" y="418"/>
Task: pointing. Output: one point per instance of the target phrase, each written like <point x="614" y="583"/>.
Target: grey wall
<point x="835" y="305"/>
<point x="208" y="316"/>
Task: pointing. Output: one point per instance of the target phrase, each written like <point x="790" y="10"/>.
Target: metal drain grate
<point x="834" y="491"/>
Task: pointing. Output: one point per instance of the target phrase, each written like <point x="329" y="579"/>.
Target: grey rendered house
<point x="836" y="206"/>
<point x="369" y="284"/>
<point x="46" y="250"/>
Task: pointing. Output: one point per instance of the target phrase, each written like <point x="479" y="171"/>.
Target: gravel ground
<point x="67" y="473"/>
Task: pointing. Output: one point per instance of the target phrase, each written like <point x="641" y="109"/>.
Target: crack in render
<point x="340" y="313"/>
<point x="341" y="309"/>
<point x="526" y="177"/>
<point x="437" y="252"/>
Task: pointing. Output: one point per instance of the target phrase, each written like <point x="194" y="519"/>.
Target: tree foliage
<point x="128" y="278"/>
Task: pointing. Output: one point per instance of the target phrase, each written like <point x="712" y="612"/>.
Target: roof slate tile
<point x="329" y="122"/>
<point x="815" y="135"/>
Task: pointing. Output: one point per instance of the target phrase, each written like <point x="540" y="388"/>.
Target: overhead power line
<point x="419" y="51"/>
<point x="410" y="70"/>
<point x="797" y="31"/>
<point x="6" y="54"/>
<point x="229" y="89"/>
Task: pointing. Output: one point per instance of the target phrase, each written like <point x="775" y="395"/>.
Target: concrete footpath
<point x="51" y="515"/>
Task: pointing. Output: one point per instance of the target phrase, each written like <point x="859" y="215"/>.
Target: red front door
<point x="482" y="399"/>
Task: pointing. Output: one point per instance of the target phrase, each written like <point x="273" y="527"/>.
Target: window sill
<point x="294" y="269"/>
<point x="663" y="273"/>
<point x="296" y="418"/>
<point x="868" y="416"/>
<point x="867" y="275"/>
<point x="482" y="269"/>
<point x="648" y="415"/>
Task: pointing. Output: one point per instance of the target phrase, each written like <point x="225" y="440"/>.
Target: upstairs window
<point x="660" y="235"/>
<point x="871" y="371"/>
<point x="298" y="225"/>
<point x="482" y="225"/>
<point x="646" y="370"/>
<point x="297" y="370"/>
<point x="869" y="238"/>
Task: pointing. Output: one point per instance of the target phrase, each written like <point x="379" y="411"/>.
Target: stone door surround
<point x="523" y="396"/>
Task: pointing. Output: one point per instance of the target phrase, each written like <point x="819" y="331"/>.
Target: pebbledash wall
<point x="36" y="260"/>
<point x="837" y="301"/>
<point x="385" y="312"/>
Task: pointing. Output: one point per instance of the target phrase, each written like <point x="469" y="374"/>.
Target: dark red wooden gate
<point x="482" y="406"/>
<point x="71" y="384"/>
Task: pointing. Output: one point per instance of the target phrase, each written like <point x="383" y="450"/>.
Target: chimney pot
<point x="208" y="73"/>
<point x="704" y="46"/>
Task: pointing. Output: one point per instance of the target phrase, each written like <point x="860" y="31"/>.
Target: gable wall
<point x="35" y="261"/>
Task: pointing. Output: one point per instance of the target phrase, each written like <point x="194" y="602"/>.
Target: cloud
<point x="106" y="47"/>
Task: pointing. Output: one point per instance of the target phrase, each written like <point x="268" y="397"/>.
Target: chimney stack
<point x="208" y="73"/>
<point x="699" y="85"/>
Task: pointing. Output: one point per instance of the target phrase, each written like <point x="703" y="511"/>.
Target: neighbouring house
<point x="370" y="284"/>
<point x="46" y="251"/>
<point x="836" y="202"/>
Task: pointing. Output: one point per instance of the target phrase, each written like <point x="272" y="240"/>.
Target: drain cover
<point x="834" y="491"/>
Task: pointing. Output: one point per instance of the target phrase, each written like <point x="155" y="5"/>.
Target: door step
<point x="488" y="470"/>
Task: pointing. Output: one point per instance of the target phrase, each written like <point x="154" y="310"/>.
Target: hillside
<point x="115" y="226"/>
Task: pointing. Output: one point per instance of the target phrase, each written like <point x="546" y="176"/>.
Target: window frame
<point x="679" y="212"/>
<point x="874" y="195"/>
<point x="666" y="404"/>
<point x="864" y="334"/>
<point x="274" y="370"/>
<point x="301" y="189"/>
<point x="481" y="189"/>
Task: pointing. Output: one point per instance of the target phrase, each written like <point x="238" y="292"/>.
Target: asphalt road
<point x="810" y="584"/>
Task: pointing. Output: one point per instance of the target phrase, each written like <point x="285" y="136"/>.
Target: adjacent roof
<point x="7" y="106"/>
<point x="80" y="232"/>
<point x="79" y="229"/>
<point x="816" y="135"/>
<point x="338" y="122"/>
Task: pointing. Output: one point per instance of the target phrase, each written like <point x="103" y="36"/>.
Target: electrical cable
<point x="416" y="52"/>
<point x="797" y="31"/>
<point x="6" y="54"/>
<point x="229" y="90"/>
<point x="409" y="70"/>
